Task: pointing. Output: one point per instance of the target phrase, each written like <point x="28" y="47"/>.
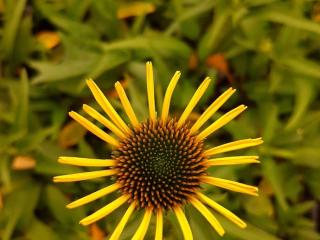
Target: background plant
<point x="267" y="49"/>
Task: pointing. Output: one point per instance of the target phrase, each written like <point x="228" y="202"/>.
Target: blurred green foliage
<point x="267" y="49"/>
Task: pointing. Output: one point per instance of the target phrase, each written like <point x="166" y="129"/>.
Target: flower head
<point x="159" y="164"/>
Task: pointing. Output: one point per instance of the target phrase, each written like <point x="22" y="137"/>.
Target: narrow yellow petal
<point x="208" y="215"/>
<point x="94" y="129"/>
<point x="84" y="176"/>
<point x="223" y="211"/>
<point x="87" y="162"/>
<point x="142" y="230"/>
<point x="118" y="230"/>
<point x="221" y="122"/>
<point x="231" y="185"/>
<point x="240" y="144"/>
<point x="159" y="225"/>
<point x="93" y="196"/>
<point x="194" y="100"/>
<point x="106" y="106"/>
<point x="168" y="95"/>
<point x="106" y="210"/>
<point x="126" y="104"/>
<point x="231" y="160"/>
<point x="105" y="122"/>
<point x="212" y="109"/>
<point x="150" y="91"/>
<point x="185" y="227"/>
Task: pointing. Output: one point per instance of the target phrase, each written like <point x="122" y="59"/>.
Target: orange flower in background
<point x="135" y="9"/>
<point x="159" y="164"/>
<point x="48" y="39"/>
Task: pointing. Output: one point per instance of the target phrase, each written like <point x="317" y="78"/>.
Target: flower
<point x="159" y="164"/>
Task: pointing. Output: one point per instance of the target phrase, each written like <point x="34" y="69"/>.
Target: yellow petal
<point x="194" y="100"/>
<point x="105" y="122"/>
<point x="223" y="211"/>
<point x="221" y="122"/>
<point x="118" y="230"/>
<point x="84" y="176"/>
<point x="94" y="129"/>
<point x="208" y="215"/>
<point x="212" y="109"/>
<point x="93" y="196"/>
<point x="231" y="160"/>
<point x="106" y="210"/>
<point x="106" y="106"/>
<point x="185" y="227"/>
<point x="126" y="104"/>
<point x="240" y="144"/>
<point x="87" y="162"/>
<point x="159" y="225"/>
<point x="231" y="185"/>
<point x="168" y="95"/>
<point x="142" y="230"/>
<point x="150" y="91"/>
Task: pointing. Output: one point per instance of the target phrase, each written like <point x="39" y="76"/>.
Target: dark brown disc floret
<point x="160" y="164"/>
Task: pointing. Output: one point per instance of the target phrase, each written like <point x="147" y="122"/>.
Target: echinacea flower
<point x="159" y="165"/>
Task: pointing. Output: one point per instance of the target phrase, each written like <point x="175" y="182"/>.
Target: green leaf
<point x="15" y="214"/>
<point x="66" y="23"/>
<point x="12" y="21"/>
<point x="275" y="177"/>
<point x="304" y="95"/>
<point x="165" y="46"/>
<point x="300" y="66"/>
<point x="104" y="18"/>
<point x="57" y="205"/>
<point x="32" y="193"/>
<point x="249" y="233"/>
<point x="313" y="181"/>
<point x="22" y="110"/>
<point x="19" y="212"/>
<point x="211" y="39"/>
<point x="307" y="156"/>
<point x="304" y="207"/>
<point x="49" y="72"/>
<point x="39" y="230"/>
<point x="25" y="43"/>
<point x="271" y="122"/>
<point x="260" y="206"/>
<point x="47" y="164"/>
<point x="286" y="19"/>
<point x="189" y="14"/>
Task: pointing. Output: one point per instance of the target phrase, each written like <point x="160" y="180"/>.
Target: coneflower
<point x="159" y="164"/>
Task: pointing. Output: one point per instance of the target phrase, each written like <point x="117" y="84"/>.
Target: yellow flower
<point x="159" y="164"/>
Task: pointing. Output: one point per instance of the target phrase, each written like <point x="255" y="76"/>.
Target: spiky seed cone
<point x="160" y="164"/>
